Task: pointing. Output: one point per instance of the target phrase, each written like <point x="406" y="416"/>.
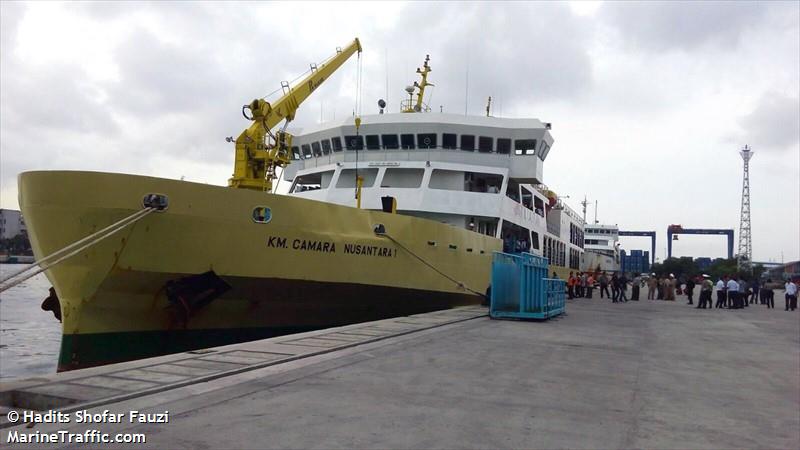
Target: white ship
<point x="601" y="248"/>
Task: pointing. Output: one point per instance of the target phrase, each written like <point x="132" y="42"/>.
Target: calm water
<point x="29" y="337"/>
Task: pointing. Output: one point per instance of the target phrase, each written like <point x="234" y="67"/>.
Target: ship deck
<point x="649" y="374"/>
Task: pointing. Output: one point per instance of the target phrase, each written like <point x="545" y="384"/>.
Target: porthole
<point x="262" y="214"/>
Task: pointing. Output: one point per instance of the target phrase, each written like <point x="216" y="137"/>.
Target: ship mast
<point x="409" y="106"/>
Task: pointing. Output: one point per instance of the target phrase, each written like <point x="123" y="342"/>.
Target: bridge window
<point x="296" y="153"/>
<point x="354" y="142"/>
<point x="525" y="146"/>
<point x="390" y="141"/>
<point x="426" y="140"/>
<point x="485" y="144"/>
<point x="402" y="178"/>
<point x="538" y="206"/>
<point x="312" y="181"/>
<point x="316" y="149"/>
<point x="337" y="143"/>
<point x="306" y="151"/>
<point x="326" y="146"/>
<point x="536" y="240"/>
<point x="449" y="140"/>
<point x="503" y="146"/>
<point x="347" y="179"/>
<point x="468" y="142"/>
<point x="407" y="141"/>
<point x="455" y="180"/>
<point x="373" y="143"/>
<point x="527" y="198"/>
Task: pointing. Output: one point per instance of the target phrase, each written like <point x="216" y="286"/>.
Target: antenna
<point x="745" y="256"/>
<point x="584" y="203"/>
<point x="488" y="105"/>
<point x="386" y="64"/>
<point x="466" y="88"/>
<point x="595" y="212"/>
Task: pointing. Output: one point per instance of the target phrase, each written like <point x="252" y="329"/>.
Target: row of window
<point x="575" y="235"/>
<point x="555" y="251"/>
<point x="450" y="141"/>
<point x="600" y="231"/>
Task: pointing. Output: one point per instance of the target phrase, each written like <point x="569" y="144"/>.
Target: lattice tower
<point x="745" y="255"/>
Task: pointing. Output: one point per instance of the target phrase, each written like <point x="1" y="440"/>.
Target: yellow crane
<point x="257" y="158"/>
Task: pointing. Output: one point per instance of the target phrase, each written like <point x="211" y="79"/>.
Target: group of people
<point x="732" y="292"/>
<point x="582" y="284"/>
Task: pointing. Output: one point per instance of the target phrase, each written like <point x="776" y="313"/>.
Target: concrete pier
<point x="649" y="374"/>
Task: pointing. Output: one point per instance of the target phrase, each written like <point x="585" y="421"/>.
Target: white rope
<point x="87" y="242"/>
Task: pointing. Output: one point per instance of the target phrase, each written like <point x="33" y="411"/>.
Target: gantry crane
<point x="257" y="158"/>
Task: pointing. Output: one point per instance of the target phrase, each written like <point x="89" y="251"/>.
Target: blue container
<point x="521" y="289"/>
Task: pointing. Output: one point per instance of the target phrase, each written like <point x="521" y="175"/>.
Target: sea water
<point x="29" y="337"/>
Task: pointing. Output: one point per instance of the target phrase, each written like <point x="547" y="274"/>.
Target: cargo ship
<point x="389" y="214"/>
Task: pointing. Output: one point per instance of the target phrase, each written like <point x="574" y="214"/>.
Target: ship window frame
<point x="483" y="148"/>
<point x="373" y="142"/>
<point x="449" y="141"/>
<point x="258" y="217"/>
<point x="421" y="140"/>
<point x="316" y="149"/>
<point x="326" y="146"/>
<point x="306" y="151"/>
<point x="336" y="142"/>
<point x="407" y="141"/>
<point x="354" y="142"/>
<point x="504" y="146"/>
<point x="523" y="147"/>
<point x="472" y="144"/>
<point x="390" y="141"/>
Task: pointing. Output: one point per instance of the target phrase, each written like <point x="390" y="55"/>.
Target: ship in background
<point x="602" y="253"/>
<point x="387" y="215"/>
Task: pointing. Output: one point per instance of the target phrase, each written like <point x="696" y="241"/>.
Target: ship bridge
<point x="518" y="145"/>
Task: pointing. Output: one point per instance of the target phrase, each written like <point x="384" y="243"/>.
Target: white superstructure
<point x="479" y="173"/>
<point x="602" y="248"/>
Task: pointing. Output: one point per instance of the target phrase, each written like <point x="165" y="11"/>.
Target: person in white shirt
<point x="733" y="294"/>
<point x="791" y="295"/>
<point x="721" y="293"/>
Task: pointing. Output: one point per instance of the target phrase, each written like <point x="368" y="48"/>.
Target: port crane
<point x="257" y="157"/>
<point x="675" y="230"/>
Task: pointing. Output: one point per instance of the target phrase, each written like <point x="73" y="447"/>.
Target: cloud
<point x="774" y="123"/>
<point x="682" y="25"/>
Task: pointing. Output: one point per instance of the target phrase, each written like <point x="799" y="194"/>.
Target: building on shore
<point x="11" y="224"/>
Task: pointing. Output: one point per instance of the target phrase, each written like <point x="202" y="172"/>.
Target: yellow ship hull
<point x="313" y="265"/>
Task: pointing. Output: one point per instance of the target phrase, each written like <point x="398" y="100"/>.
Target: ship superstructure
<point x="483" y="174"/>
<point x="601" y="248"/>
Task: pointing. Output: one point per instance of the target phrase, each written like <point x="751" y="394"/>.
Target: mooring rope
<point x="458" y="283"/>
<point x="11" y="280"/>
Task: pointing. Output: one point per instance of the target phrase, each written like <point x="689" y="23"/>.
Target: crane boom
<point x="257" y="159"/>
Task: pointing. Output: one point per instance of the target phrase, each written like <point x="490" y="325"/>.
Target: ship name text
<point x="311" y="245"/>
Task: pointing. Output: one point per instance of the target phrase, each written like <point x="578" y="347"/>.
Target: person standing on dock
<point x="767" y="295"/>
<point x="652" y="283"/>
<point x="637" y="281"/>
<point x="589" y="286"/>
<point x="660" y="288"/>
<point x="690" y="289"/>
<point x="791" y="295"/>
<point x="721" y="295"/>
<point x="571" y="286"/>
<point x="670" y="288"/>
<point x="584" y="281"/>
<point x="614" y="287"/>
<point x="734" y="301"/>
<point x="706" y="287"/>
<point x="604" y="285"/>
<point x="755" y="291"/>
<point x="622" y="287"/>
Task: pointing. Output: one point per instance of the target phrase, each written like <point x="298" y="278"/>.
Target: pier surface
<point x="647" y="374"/>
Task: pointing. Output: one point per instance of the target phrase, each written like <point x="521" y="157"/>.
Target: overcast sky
<point x="650" y="102"/>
